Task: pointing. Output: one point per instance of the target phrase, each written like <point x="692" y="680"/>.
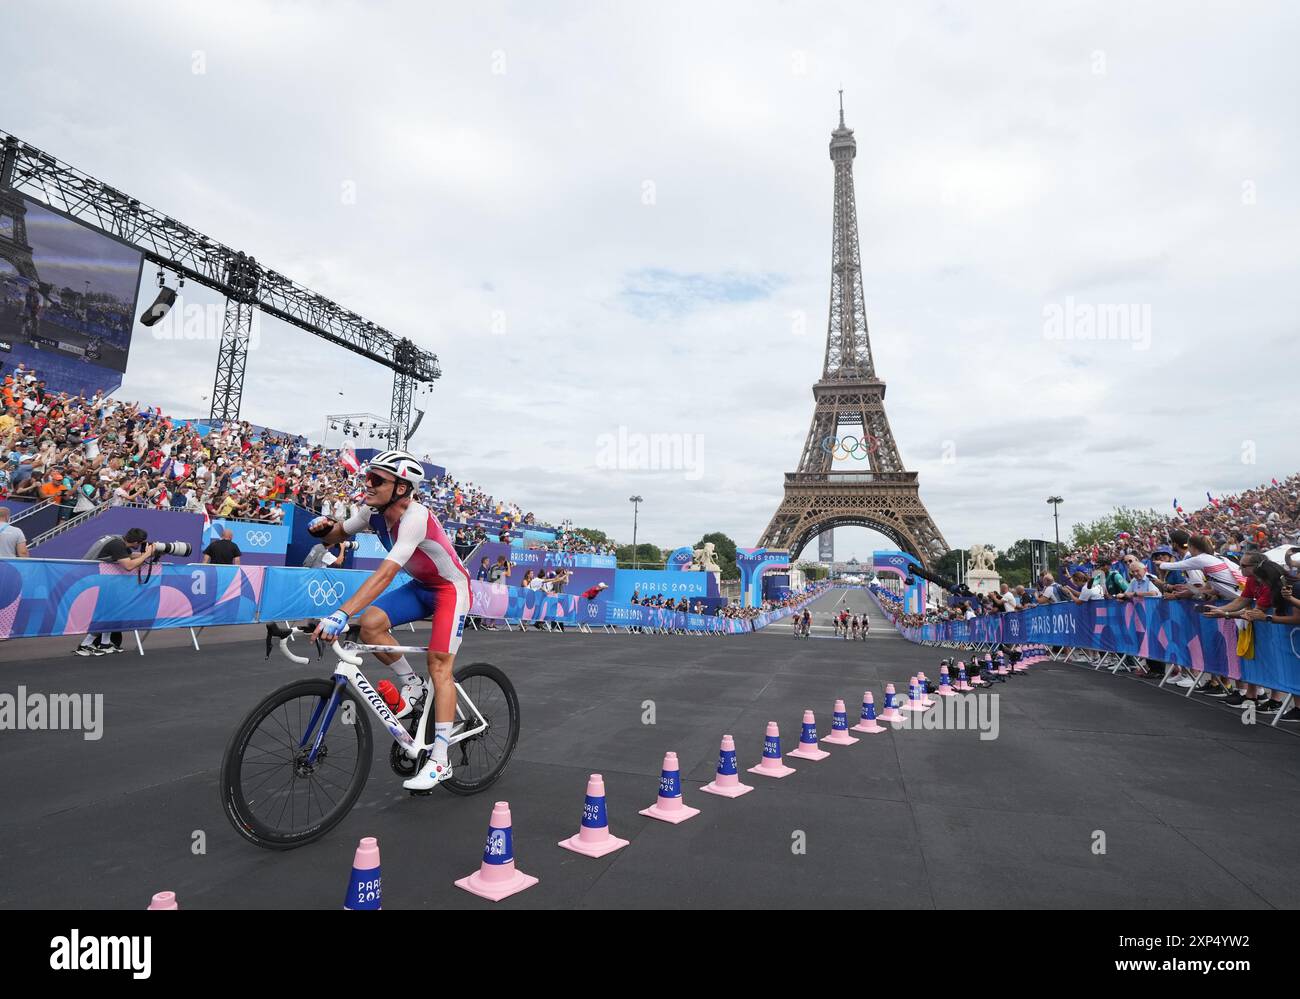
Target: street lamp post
<point x="1056" y="502"/>
<point x="636" y="502"/>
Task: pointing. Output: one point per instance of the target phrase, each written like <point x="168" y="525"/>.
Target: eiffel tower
<point x="851" y="476"/>
<point x="14" y="247"/>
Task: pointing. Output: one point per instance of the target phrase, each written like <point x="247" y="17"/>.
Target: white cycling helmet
<point x="404" y="466"/>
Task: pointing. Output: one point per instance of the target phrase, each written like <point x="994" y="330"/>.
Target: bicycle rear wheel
<point x="477" y="762"/>
<point x="272" y="795"/>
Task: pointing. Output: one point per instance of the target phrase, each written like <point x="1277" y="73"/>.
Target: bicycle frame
<point x="469" y="720"/>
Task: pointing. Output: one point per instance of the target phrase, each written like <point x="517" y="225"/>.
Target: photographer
<point x="322" y="557"/>
<point x="129" y="552"/>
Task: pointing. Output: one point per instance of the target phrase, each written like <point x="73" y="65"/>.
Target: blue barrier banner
<point x="50" y="597"/>
<point x="293" y="593"/>
<point x="1163" y="630"/>
<point x="536" y="558"/>
<point x="252" y="539"/>
<point x="42" y="597"/>
<point x="652" y="582"/>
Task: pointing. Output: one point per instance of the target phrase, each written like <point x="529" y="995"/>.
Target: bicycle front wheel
<point x="272" y="793"/>
<point x="477" y="762"/>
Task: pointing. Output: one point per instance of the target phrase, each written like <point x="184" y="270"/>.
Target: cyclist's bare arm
<point x="370" y="590"/>
<point x="341" y="530"/>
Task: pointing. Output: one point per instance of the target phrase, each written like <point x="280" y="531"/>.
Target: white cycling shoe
<point x="412" y="695"/>
<point x="433" y="774"/>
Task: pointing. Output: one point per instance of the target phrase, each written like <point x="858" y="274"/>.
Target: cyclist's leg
<point x="411" y="602"/>
<point x="451" y="604"/>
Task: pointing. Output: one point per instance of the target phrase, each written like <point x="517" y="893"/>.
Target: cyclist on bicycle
<point x="439" y="589"/>
<point x="854" y="625"/>
<point x="807" y="623"/>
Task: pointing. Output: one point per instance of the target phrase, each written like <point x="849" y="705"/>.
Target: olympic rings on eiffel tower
<point x="842" y="448"/>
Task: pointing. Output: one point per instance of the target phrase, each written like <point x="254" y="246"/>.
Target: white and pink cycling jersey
<point x="419" y="545"/>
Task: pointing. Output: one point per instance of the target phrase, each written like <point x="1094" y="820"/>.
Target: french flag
<point x="348" y="459"/>
<point x="180" y="469"/>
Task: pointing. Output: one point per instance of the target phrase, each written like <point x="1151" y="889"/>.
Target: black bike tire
<point x="461" y="787"/>
<point x="248" y="825"/>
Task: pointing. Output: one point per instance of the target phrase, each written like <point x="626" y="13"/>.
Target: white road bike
<point x="298" y="762"/>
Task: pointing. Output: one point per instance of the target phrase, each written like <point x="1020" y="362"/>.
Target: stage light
<point x="165" y="300"/>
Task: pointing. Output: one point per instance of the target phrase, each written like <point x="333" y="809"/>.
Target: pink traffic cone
<point x="497" y="877"/>
<point x="770" y="765"/>
<point x="913" y="702"/>
<point x="963" y="682"/>
<point x="1002" y="669"/>
<point x="974" y="677"/>
<point x="922" y="682"/>
<point x="366" y="884"/>
<point x="808" y="749"/>
<point x="890" y="714"/>
<point x="669" y="806"/>
<point x="163" y="900"/>
<point x="945" y="684"/>
<point x="594" y="838"/>
<point x="867" y="723"/>
<point x="727" y="781"/>
<point x="840" y="727"/>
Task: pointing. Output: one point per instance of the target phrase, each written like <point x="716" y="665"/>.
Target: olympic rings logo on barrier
<point x="257" y="539"/>
<point x="592" y="609"/>
<point x="325" y="594"/>
<point x="842" y="448"/>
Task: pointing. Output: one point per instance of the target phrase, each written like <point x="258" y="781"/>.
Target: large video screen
<point x="67" y="297"/>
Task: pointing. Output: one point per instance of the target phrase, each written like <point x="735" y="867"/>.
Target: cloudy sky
<point x="615" y="222"/>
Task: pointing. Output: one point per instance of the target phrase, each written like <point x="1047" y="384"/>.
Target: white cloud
<point x="997" y="173"/>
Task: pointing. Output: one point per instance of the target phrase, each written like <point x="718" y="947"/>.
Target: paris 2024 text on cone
<point x="840" y="727"/>
<point x="726" y="782"/>
<point x="365" y="884"/>
<point x="669" y="806"/>
<point x="771" y="764"/>
<point x="593" y="838"/>
<point x="808" y="748"/>
<point x="497" y="877"/>
<point x="867" y="723"/>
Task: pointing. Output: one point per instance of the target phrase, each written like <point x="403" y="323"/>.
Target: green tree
<point x="648" y="556"/>
<point x="1138" y="523"/>
<point x="592" y="535"/>
<point x="946" y="564"/>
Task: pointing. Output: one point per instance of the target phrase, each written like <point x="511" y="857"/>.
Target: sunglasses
<point x="375" y="480"/>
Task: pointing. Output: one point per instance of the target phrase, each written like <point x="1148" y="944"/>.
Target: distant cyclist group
<point x="850" y="626"/>
<point x="846" y="625"/>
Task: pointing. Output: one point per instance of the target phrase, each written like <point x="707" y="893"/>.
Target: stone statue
<point x="702" y="560"/>
<point x="981" y="559"/>
<point x="981" y="575"/>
